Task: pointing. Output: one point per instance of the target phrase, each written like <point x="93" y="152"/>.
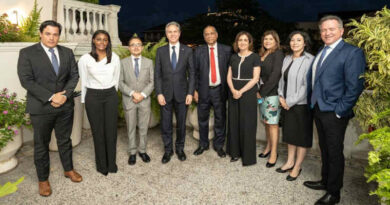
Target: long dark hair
<point x="108" y="49"/>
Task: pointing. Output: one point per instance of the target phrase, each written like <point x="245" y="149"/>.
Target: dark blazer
<point x="338" y="83"/>
<point x="271" y="71"/>
<point x="202" y="69"/>
<point x="37" y="76"/>
<point x="174" y="84"/>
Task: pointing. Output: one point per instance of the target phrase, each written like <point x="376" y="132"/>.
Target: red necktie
<point x="212" y="63"/>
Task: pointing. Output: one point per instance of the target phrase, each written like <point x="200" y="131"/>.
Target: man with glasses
<point x="136" y="84"/>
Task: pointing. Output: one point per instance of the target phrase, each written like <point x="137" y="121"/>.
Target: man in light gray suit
<point x="136" y="84"/>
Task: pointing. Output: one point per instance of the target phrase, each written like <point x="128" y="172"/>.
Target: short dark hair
<point x="50" y="23"/>
<point x="134" y="37"/>
<point x="250" y="38"/>
<point x="210" y="26"/>
<point x="306" y="40"/>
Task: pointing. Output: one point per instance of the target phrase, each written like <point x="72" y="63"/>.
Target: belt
<point x="213" y="87"/>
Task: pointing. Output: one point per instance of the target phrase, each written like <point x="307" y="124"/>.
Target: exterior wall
<point x="23" y="7"/>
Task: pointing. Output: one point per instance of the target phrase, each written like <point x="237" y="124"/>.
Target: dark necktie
<point x="54" y="60"/>
<point x="212" y="64"/>
<point x="313" y="98"/>
<point x="136" y="67"/>
<point x="174" y="58"/>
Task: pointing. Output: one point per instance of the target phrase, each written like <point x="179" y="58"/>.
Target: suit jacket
<point x="338" y="83"/>
<point x="296" y="93"/>
<point x="174" y="84"/>
<point x="128" y="82"/>
<point x="202" y="69"/>
<point x="37" y="76"/>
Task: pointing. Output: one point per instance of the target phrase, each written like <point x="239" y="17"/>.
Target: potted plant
<point x="373" y="107"/>
<point x="192" y="118"/>
<point x="12" y="117"/>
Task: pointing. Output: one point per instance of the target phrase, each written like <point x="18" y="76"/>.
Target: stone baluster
<point x="94" y="25"/>
<point x="74" y="23"/>
<point x="105" y="21"/>
<point x="82" y="24"/>
<point x="67" y="23"/>
<point x="89" y="24"/>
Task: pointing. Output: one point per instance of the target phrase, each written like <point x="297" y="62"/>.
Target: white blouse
<point x="98" y="75"/>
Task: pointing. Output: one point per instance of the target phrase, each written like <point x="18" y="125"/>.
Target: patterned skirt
<point x="270" y="110"/>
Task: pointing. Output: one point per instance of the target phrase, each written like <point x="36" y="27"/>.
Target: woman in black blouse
<point x="271" y="64"/>
<point x="242" y="76"/>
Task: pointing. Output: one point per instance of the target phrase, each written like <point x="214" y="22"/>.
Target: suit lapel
<point x="167" y="56"/>
<point x="45" y="58"/>
<point x="62" y="61"/>
<point x="130" y="68"/>
<point x="181" y="57"/>
<point x="143" y="68"/>
<point x="220" y="59"/>
<point x="328" y="59"/>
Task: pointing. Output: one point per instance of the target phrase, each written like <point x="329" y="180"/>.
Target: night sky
<point x="136" y="16"/>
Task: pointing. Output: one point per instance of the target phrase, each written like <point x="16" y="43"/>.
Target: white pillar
<point x="113" y="24"/>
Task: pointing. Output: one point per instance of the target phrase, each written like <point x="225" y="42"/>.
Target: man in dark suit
<point x="49" y="74"/>
<point x="334" y="86"/>
<point x="211" y="65"/>
<point x="174" y="82"/>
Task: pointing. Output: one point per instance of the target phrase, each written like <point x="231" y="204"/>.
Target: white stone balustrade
<point x="81" y="20"/>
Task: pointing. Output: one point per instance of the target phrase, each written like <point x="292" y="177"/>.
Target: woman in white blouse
<point x="99" y="72"/>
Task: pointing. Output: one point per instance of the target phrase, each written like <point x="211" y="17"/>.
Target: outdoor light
<point x="15" y="15"/>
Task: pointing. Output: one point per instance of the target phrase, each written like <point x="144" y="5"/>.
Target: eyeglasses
<point x="136" y="45"/>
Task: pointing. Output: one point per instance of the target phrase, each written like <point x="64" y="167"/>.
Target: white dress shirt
<point x="49" y="54"/>
<point x="330" y="49"/>
<point x="216" y="66"/>
<point x="177" y="51"/>
<point x="139" y="69"/>
<point x="98" y="75"/>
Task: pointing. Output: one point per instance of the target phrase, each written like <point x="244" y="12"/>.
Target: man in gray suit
<point x="136" y="84"/>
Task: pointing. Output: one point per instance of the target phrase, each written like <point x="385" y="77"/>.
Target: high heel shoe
<point x="290" y="178"/>
<point x="233" y="159"/>
<point x="280" y="170"/>
<point x="269" y="165"/>
<point x="261" y="155"/>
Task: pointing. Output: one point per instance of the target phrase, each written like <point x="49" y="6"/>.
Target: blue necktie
<point x="136" y="69"/>
<point x="313" y="98"/>
<point x="54" y="60"/>
<point x="174" y="58"/>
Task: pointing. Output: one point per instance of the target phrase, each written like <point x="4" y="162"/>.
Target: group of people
<point x="294" y="88"/>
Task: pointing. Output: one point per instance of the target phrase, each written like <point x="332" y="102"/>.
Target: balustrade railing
<point x="81" y="20"/>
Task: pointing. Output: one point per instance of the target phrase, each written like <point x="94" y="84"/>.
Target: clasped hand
<point x="236" y="94"/>
<point x="137" y="97"/>
<point x="283" y="103"/>
<point x="58" y="99"/>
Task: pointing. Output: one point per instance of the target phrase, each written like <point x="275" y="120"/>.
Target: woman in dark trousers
<point x="99" y="73"/>
<point x="297" y="124"/>
<point x="242" y="76"/>
<point x="271" y="66"/>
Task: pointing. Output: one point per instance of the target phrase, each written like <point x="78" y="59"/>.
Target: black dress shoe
<point x="290" y="178"/>
<point x="200" y="150"/>
<point x="316" y="185"/>
<point x="280" y="170"/>
<point x="132" y="159"/>
<point x="167" y="157"/>
<point x="328" y="199"/>
<point x="234" y="159"/>
<point x="261" y="155"/>
<point x="269" y="165"/>
<point x="145" y="157"/>
<point x="221" y="153"/>
<point x="181" y="155"/>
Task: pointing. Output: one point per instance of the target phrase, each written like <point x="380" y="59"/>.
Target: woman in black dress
<point x="297" y="124"/>
<point x="243" y="74"/>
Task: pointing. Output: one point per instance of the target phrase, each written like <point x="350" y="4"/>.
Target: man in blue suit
<point x="334" y="86"/>
<point x="211" y="65"/>
<point x="174" y="80"/>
